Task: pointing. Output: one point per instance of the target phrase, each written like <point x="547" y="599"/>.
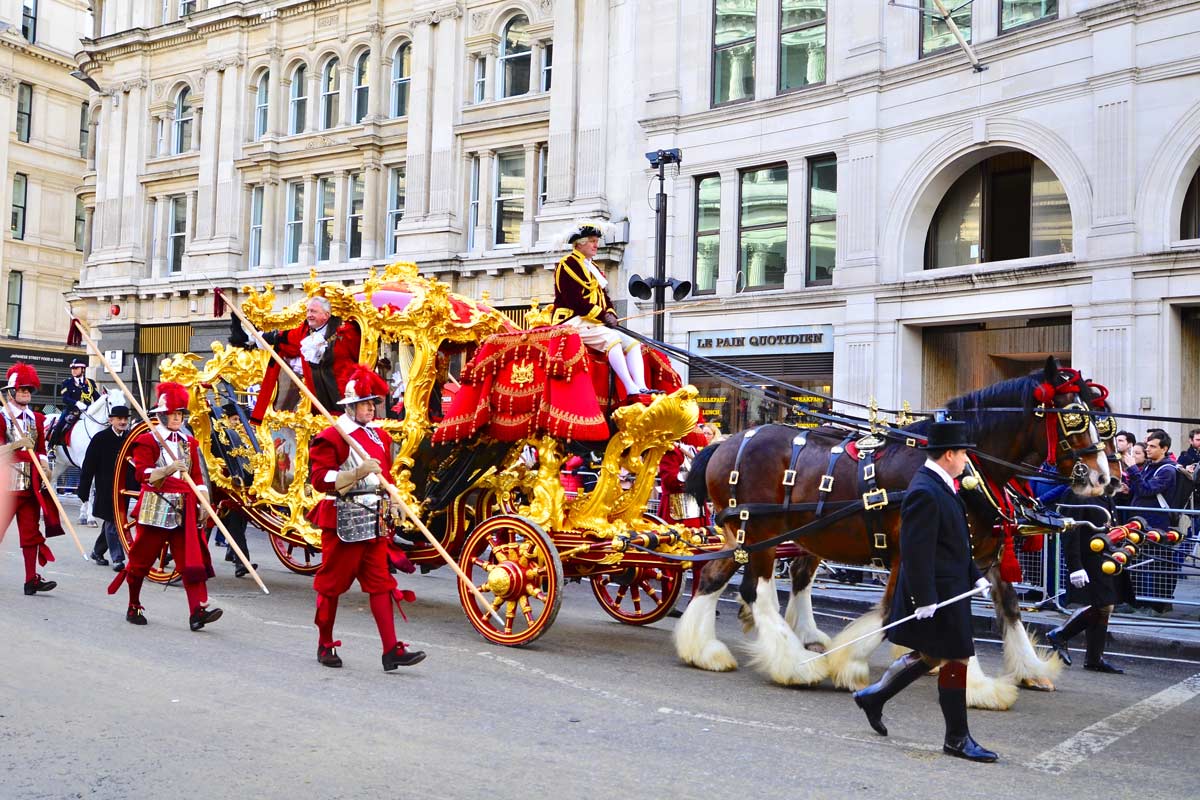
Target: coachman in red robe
<point x="354" y="538"/>
<point x="167" y="511"/>
<point x="23" y="440"/>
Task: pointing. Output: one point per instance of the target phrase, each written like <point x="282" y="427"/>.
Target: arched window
<point x="516" y="58"/>
<point x="362" y="88"/>
<point x="330" y="92"/>
<point x="1008" y="206"/>
<point x="261" y="105"/>
<point x="1189" y="221"/>
<point x="298" y="104"/>
<point x="181" y="138"/>
<point x="401" y="76"/>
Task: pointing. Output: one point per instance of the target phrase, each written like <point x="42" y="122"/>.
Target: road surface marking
<point x="1094" y="738"/>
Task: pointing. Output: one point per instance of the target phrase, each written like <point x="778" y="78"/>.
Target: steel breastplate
<point x="21" y="471"/>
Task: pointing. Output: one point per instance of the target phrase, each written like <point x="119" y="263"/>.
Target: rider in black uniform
<point x="77" y="393"/>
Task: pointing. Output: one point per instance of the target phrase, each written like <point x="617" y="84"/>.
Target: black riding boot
<point x="952" y="697"/>
<point x="1058" y="638"/>
<point x="1097" y="638"/>
<point x="903" y="671"/>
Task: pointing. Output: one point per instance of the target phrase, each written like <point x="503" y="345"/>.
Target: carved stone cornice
<point x="438" y="14"/>
<point x="8" y="84"/>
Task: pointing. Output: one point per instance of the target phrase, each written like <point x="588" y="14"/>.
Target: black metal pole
<point x="660" y="257"/>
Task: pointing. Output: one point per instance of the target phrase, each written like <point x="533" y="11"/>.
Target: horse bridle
<point x="1074" y="419"/>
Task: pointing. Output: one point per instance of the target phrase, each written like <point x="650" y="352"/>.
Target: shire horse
<point x="70" y="454"/>
<point x="763" y="459"/>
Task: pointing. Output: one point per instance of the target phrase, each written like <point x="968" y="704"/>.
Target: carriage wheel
<point x="163" y="569"/>
<point x="303" y="559"/>
<point x="513" y="563"/>
<point x="639" y="595"/>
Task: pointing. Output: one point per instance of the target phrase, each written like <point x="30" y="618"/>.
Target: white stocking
<point x="637" y="367"/>
<point x="617" y="360"/>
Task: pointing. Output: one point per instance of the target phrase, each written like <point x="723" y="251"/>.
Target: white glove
<point x="1079" y="578"/>
<point x="925" y="612"/>
<point x="983" y="583"/>
<point x="82" y="406"/>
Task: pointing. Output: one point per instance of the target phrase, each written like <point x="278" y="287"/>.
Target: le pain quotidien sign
<point x="762" y="341"/>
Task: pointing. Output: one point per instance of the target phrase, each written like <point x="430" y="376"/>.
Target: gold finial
<point x="873" y="416"/>
<point x="485" y="296"/>
<point x="904" y="418"/>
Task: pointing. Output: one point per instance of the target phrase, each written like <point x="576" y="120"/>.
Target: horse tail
<point x="696" y="484"/>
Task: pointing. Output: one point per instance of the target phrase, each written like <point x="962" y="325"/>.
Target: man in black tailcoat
<point x="935" y="565"/>
<point x="100" y="465"/>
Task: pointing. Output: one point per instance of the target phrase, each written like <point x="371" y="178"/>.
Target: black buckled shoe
<point x="1058" y="645"/>
<point x="968" y="748"/>
<point x="99" y="559"/>
<point x="135" y="615"/>
<point x="202" y="616"/>
<point x="401" y="656"/>
<point x="1104" y="666"/>
<point x="38" y="584"/>
<point x="328" y="656"/>
<point x="241" y="571"/>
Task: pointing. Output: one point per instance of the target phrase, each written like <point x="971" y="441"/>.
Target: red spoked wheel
<point x="123" y="502"/>
<point x="514" y="564"/>
<point x="299" y="557"/>
<point x="639" y="595"/>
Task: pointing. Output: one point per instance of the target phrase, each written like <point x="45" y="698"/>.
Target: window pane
<point x="801" y="12"/>
<point x="508" y="220"/>
<point x="733" y="73"/>
<point x="936" y="35"/>
<point x="708" y="251"/>
<point x="802" y="57"/>
<point x="822" y="249"/>
<point x="516" y="36"/>
<point x="735" y="20"/>
<point x="708" y="204"/>
<point x="511" y="174"/>
<point x="955" y="231"/>
<point x="516" y="76"/>
<point x="764" y="197"/>
<point x="763" y="256"/>
<point x="1019" y="12"/>
<point x="823" y="187"/>
<point x="1189" y="219"/>
<point x="1050" y="214"/>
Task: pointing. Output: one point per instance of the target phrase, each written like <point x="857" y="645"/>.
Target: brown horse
<point x="765" y="462"/>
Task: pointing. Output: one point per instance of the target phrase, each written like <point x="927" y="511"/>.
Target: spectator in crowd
<point x="1149" y="484"/>
<point x="1190" y="457"/>
<point x="1124" y="441"/>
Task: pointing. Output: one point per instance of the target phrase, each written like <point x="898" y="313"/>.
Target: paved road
<point x="92" y="707"/>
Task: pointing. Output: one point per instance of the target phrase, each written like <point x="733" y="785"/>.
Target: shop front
<point x="800" y="356"/>
<point x="53" y="365"/>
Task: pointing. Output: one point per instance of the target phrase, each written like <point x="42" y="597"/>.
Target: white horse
<point x="90" y="422"/>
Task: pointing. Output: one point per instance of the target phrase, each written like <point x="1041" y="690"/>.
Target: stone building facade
<point x="41" y="252"/>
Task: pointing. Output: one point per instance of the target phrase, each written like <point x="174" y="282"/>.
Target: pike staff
<point x="357" y="449"/>
<point x="201" y="495"/>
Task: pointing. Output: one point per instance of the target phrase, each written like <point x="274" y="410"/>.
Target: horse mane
<point x="971" y="408"/>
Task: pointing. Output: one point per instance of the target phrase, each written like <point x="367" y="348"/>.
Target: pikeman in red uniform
<point x="353" y="543"/>
<point x="167" y="512"/>
<point x="21" y="432"/>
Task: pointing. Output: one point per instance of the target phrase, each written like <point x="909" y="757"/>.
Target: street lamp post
<point x="656" y="287"/>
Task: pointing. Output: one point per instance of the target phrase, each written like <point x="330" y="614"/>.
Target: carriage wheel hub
<point x="505" y="580"/>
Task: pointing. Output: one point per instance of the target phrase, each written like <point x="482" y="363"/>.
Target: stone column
<point x="346" y="94"/>
<point x="133" y="202"/>
<point x="108" y="188"/>
<point x="308" y="225"/>
<point x="528" y="225"/>
<point x="162" y="211"/>
<point x="380" y="92"/>
<point x="563" y="95"/>
<point x="491" y="85"/>
<point x="483" y="230"/>
<point x="313" y="112"/>
<point x="277" y="102"/>
<point x="339" y="249"/>
<point x="210" y="143"/>
<point x="39" y="131"/>
<point x="162" y="144"/>
<point x="443" y="142"/>
<point x="372" y="210"/>
<point x="420" y="121"/>
<point x="228" y="197"/>
<point x="270" y="223"/>
<point x="89" y="213"/>
<point x="797" y="222"/>
<point x="535" y="66"/>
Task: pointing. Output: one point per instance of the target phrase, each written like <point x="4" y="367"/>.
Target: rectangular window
<point x="177" y="235"/>
<point x="29" y="14"/>
<point x="16" y="285"/>
<point x="822" y="220"/>
<point x="1018" y="13"/>
<point x="20" y="194"/>
<point x="480" y="82"/>
<point x="708" y="234"/>
<point x="186" y="7"/>
<point x="762" y="227"/>
<point x="295" y="221"/>
<point x="326" y="197"/>
<point x="80" y="221"/>
<point x="395" y="206"/>
<point x="256" y="225"/>
<point x="547" y="67"/>
<point x="733" y="50"/>
<point x="510" y="198"/>
<point x="354" y="215"/>
<point x="935" y="33"/>
<point x="801" y="43"/>
<point x="543" y="174"/>
<point x="24" y="111"/>
<point x="473" y="208"/>
<point x="298" y="106"/>
<point x="84" y="130"/>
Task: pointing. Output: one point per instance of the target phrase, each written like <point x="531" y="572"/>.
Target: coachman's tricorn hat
<point x="583" y="231"/>
<point x="948" y="435"/>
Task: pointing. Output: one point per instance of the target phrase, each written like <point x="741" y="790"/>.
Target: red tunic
<point x="344" y="562"/>
<point x="28" y="505"/>
<point x="341" y="355"/>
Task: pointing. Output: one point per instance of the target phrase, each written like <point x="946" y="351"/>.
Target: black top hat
<point x="118" y="411"/>
<point x="948" y="435"/>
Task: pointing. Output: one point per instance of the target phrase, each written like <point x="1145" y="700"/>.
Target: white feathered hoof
<point x="848" y="667"/>
<point x="991" y="694"/>
<point x="696" y="642"/>
<point x="816" y="647"/>
<point x="714" y="656"/>
<point x="1024" y="665"/>
<point x="776" y="651"/>
<point x="745" y="617"/>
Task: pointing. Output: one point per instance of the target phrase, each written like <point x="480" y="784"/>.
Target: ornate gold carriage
<point x="499" y="507"/>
